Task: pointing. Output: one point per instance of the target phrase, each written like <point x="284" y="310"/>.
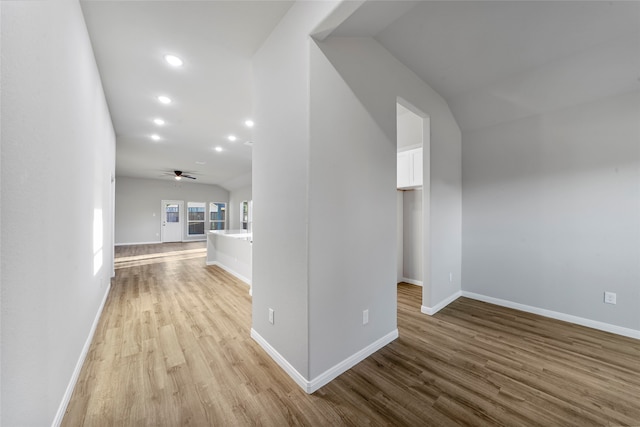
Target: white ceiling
<point x="495" y="61"/>
<point x="211" y="92"/>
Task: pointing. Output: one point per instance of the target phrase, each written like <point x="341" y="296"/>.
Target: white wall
<point x="378" y="79"/>
<point x="352" y="222"/>
<point x="324" y="180"/>
<point x="138" y="211"/>
<point x="412" y="219"/>
<point x="280" y="186"/>
<point x="233" y="210"/>
<point x="409" y="129"/>
<point x="552" y="210"/>
<point x="58" y="149"/>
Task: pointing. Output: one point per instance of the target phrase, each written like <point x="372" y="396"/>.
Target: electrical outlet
<point x="271" y="313"/>
<point x="609" y="298"/>
<point x="450" y="277"/>
<point x="365" y="316"/>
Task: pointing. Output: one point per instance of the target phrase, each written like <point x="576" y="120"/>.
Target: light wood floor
<point x="173" y="349"/>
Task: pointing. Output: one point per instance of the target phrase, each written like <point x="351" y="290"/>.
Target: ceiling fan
<point x="178" y="175"/>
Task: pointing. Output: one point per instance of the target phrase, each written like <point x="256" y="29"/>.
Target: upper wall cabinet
<point x="410" y="169"/>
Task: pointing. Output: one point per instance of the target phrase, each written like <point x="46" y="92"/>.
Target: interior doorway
<point x="171" y="225"/>
<point x="413" y="130"/>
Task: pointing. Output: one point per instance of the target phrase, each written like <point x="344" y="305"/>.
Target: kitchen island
<point x="231" y="251"/>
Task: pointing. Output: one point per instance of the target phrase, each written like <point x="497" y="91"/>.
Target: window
<point x="217" y="216"/>
<point x="173" y="213"/>
<point x="196" y="214"/>
<point x="245" y="215"/>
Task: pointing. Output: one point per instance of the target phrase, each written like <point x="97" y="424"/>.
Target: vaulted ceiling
<point x="492" y="61"/>
<point x="496" y="61"/>
<point x="211" y="92"/>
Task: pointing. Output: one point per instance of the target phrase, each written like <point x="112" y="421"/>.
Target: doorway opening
<point x="413" y="130"/>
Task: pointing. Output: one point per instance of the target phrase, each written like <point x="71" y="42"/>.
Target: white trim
<point x="412" y="281"/>
<point x="284" y="364"/>
<point x="138" y="243"/>
<point x="350" y="362"/>
<point x="442" y="304"/>
<point x="607" y="327"/>
<point x="230" y="271"/>
<point x="76" y="372"/>
<point x="331" y="373"/>
<point x="159" y="242"/>
<point x="594" y="324"/>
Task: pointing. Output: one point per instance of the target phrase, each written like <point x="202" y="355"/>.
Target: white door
<point x="171" y="226"/>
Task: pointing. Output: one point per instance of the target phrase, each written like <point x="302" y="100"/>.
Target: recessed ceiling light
<point x="249" y="123"/>
<point x="232" y="138"/>
<point x="158" y="121"/>
<point x="173" y="60"/>
<point x="164" y="99"/>
<point x="218" y="149"/>
<point x="155" y="137"/>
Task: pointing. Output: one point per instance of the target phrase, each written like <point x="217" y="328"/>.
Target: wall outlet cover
<point x="610" y="298"/>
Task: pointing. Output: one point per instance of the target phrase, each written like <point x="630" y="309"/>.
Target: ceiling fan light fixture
<point x="179" y="175"/>
<point x="173" y="60"/>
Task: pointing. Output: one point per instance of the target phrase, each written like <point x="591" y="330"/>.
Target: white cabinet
<point x="410" y="168"/>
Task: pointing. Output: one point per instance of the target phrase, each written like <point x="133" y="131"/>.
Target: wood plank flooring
<point x="173" y="349"/>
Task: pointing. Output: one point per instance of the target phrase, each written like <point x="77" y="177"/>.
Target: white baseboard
<point x="350" y="362"/>
<point x="137" y="243"/>
<point x="412" y="281"/>
<point x="619" y="330"/>
<point x="76" y="372"/>
<point x="442" y="304"/>
<point x="331" y="373"/>
<point x="158" y="242"/>
<point x="281" y="361"/>
<point x="246" y="280"/>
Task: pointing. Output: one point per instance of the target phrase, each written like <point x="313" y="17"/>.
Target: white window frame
<point x="190" y="205"/>
<point x="218" y="221"/>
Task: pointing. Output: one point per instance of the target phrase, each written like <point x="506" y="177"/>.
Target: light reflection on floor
<point x="159" y="257"/>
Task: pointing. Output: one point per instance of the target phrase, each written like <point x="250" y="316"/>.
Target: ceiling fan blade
<point x="179" y="175"/>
